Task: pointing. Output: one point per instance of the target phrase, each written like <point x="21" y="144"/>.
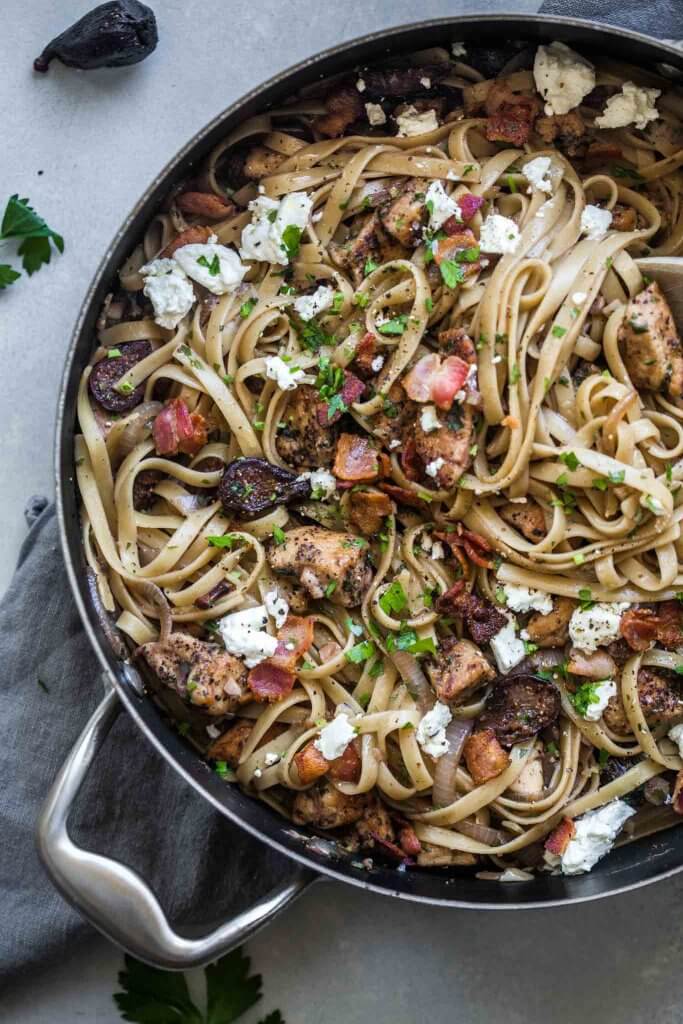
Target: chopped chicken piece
<point x="528" y="518"/>
<point x="194" y="235"/>
<point x="261" y="162"/>
<point x="403" y="217"/>
<point x="447" y="448"/>
<point x="310" y="764"/>
<point x="624" y="218"/>
<point x="368" y="510"/>
<point x="201" y="673"/>
<point x="650" y="345"/>
<point x="660" y="701"/>
<point x="374" y="825"/>
<point x="457" y="342"/>
<point x="431" y="856"/>
<point x="529" y="783"/>
<point x="552" y="630"/>
<point x="566" y="130"/>
<point x="370" y="243"/>
<point x="304" y="442"/>
<point x="484" y="756"/>
<point x="458" y="668"/>
<point x="326" y="807"/>
<point x="344" y="106"/>
<point x="205" y="204"/>
<point x="230" y="745"/>
<point x="327" y="563"/>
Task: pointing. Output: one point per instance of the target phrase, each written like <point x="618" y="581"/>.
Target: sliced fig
<point x="402" y="81"/>
<point x="253" y="486"/>
<point x="106" y="374"/>
<point x="113" y="35"/>
<point x="143" y="489"/>
<point x="519" y="707"/>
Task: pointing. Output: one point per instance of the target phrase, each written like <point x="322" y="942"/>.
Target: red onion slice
<point x="443" y="790"/>
<point x="415" y="679"/>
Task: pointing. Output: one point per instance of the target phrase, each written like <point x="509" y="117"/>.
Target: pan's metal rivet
<point x="132" y="677"/>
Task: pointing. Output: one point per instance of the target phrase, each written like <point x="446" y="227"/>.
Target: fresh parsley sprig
<point x="151" y="996"/>
<point x="21" y="221"/>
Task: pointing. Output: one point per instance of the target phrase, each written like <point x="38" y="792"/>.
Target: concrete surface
<point x="338" y="955"/>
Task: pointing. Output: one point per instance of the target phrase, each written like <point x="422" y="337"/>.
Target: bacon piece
<point x="294" y="639"/>
<point x="176" y="430"/>
<point x="484" y="756"/>
<point x="351" y="391"/>
<point x="511" y="121"/>
<point x="205" y="204"/>
<point x="366" y="351"/>
<point x="432" y="380"/>
<point x="469" y="204"/>
<point x="310" y="764"/>
<point x="402" y="496"/>
<point x="343" y="108"/>
<point x="408" y="841"/>
<point x="482" y="618"/>
<point x="356" y="460"/>
<point x="455" y="243"/>
<point x="559" y="839"/>
<point x="197" y="234"/>
<point x="347" y="768"/>
<point x="602" y="152"/>
<point x="410" y="463"/>
<point x="269" y="682"/>
<point x="475" y="546"/>
<point x="367" y="510"/>
<point x="641" y="627"/>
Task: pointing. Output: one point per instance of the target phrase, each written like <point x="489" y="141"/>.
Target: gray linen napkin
<point x="660" y="18"/>
<point x="201" y="867"/>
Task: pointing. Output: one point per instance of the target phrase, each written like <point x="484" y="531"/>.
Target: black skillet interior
<point x="629" y="866"/>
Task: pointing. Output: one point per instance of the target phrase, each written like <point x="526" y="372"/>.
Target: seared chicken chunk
<point x="660" y="701"/>
<point x="344" y="106"/>
<point x="403" y="217"/>
<point x="370" y="243"/>
<point x="375" y="824"/>
<point x="201" y="673"/>
<point x="445" y="453"/>
<point x="458" y="668"/>
<point x="484" y="756"/>
<point x="650" y="345"/>
<point x="552" y="630"/>
<point x="624" y="218"/>
<point x="567" y="130"/>
<point x="325" y="807"/>
<point x="431" y="856"/>
<point x="261" y="162"/>
<point x="230" y="745"/>
<point x="304" y="443"/>
<point x="328" y="564"/>
<point x="526" y="517"/>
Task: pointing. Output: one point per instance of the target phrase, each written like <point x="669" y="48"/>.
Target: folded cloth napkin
<point x="201" y="867"/>
<point x="660" y="18"/>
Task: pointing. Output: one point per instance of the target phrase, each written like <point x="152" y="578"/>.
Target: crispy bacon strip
<point x="366" y="351"/>
<point x="402" y="496"/>
<point x="355" y="460"/>
<point x="367" y="510"/>
<point x="435" y="380"/>
<point x="311" y="765"/>
<point x="194" y="235"/>
<point x="269" y="682"/>
<point x="469" y="204"/>
<point x="273" y="679"/>
<point x="351" y="391"/>
<point x="176" y="430"/>
<point x="641" y="627"/>
<point x="482" y="618"/>
<point x="476" y="547"/>
<point x="205" y="204"/>
<point x="559" y="839"/>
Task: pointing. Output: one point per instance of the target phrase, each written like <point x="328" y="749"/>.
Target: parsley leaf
<point x="395" y="326"/>
<point x="7" y="275"/>
<point x="559" y="332"/>
<point x="584" y="697"/>
<point x="570" y="460"/>
<point x="586" y="599"/>
<point x="393" y="599"/>
<point x="291" y="239"/>
<point x="21" y="221"/>
<point x="225" y="540"/>
<point x="452" y="273"/>
<point x="246" y="308"/>
<point x="361" y="652"/>
<point x="213" y="266"/>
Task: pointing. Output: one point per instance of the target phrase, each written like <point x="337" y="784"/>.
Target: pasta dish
<point x="380" y="458"/>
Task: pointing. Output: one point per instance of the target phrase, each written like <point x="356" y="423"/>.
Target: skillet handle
<point x="116" y="899"/>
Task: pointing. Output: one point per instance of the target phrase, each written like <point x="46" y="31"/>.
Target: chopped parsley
<point x="361" y="652"/>
<point x="394" y="599"/>
<point x="452" y="273"/>
<point x="113" y="353"/>
<point x="246" y="308"/>
<point x="370" y="265"/>
<point x="515" y="374"/>
<point x="291" y="238"/>
<point x="278" y="535"/>
<point x="586" y="599"/>
<point x="226" y="540"/>
<point x="330" y="588"/>
<point x="559" y="332"/>
<point x="213" y="266"/>
<point x="397" y="325"/>
<point x="584" y="697"/>
<point x="570" y="460"/>
<point x="337" y="302"/>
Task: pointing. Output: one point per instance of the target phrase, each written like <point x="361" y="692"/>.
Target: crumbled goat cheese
<point x="431" y="732"/>
<point x="526" y="599"/>
<point x="676" y="735"/>
<point x="603" y="691"/>
<point x="508" y="649"/>
<point x="535" y="172"/>
<point x="244" y="636"/>
<point x="213" y="731"/>
<point x="377" y="364"/>
<point x="308" y="306"/>
<point x="432" y="468"/>
<point x="272" y="758"/>
<point x="428" y="419"/>
<point x="632" y="105"/>
<point x="415" y="122"/>
<point x="276" y="607"/>
<point x="376" y="115"/>
<point x="285" y="375"/>
<point x="562" y="77"/>
<point x="262" y="239"/>
<point x="597" y="626"/>
<point x="169" y="291"/>
<point x="578" y="298"/>
<point x="426" y="82"/>
<point x="438" y="550"/>
<point x="323" y="483"/>
<point x="360" y="85"/>
<point x="335" y="737"/>
<point x="214" y="266"/>
<point x="594" y="837"/>
<point x="440" y="205"/>
<point x="595" y="222"/>
<point x="499" y="234"/>
<point x="458" y="49"/>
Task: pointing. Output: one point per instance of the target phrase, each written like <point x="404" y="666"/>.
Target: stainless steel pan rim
<point x="628" y="869"/>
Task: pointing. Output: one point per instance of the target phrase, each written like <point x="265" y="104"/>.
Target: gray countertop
<point x="338" y="955"/>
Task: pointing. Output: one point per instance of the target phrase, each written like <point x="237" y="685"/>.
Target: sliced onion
<point x="547" y="657"/>
<point x="443" y="790"/>
<point x="151" y="593"/>
<point x="481" y="833"/>
<point x="109" y="630"/>
<point x="136" y="428"/>
<point x="415" y="679"/>
<point x="185" y="504"/>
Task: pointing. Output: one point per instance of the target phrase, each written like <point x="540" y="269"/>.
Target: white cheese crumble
<point x="632" y="105"/>
<point x="272" y="758"/>
<point x="431" y="732"/>
<point x="676" y="735"/>
<point x="578" y="298"/>
<point x="603" y="691"/>
<point x="440" y="205"/>
<point x="426" y="82"/>
<point x="428" y="419"/>
<point x="458" y="49"/>
<point x="244" y="636"/>
<point x="323" y="483"/>
<point x="376" y="115"/>
<point x="438" y="551"/>
<point x="308" y="306"/>
<point x="415" y="122"/>
<point x="499" y="234"/>
<point x="432" y="468"/>
<point x="285" y="375"/>
<point x="213" y="731"/>
<point x="214" y="266"/>
<point x="360" y="85"/>
<point x="594" y="837"/>
<point x="526" y="599"/>
<point x="335" y="737"/>
<point x="270" y="218"/>
<point x="562" y="77"/>
<point x="597" y="626"/>
<point x="535" y="172"/>
<point x="595" y="222"/>
<point x="277" y="607"/>
<point x="508" y="649"/>
<point x="169" y="291"/>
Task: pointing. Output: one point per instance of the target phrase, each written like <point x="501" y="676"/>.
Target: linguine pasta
<point x="380" y="452"/>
